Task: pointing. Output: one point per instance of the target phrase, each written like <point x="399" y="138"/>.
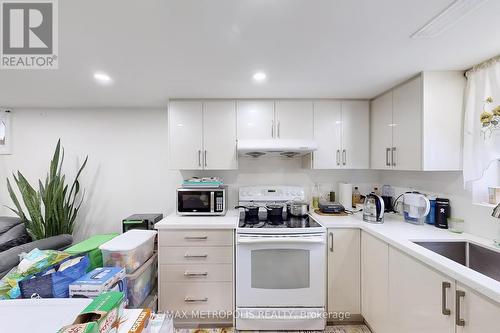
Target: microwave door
<point x="194" y="201"/>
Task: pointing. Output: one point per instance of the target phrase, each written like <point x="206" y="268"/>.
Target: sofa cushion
<point x="7" y="222"/>
<point x="14" y="237"/>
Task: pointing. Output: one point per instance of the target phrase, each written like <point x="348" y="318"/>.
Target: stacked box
<point x="98" y="281"/>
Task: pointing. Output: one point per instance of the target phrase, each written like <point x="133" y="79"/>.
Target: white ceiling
<point x="160" y="49"/>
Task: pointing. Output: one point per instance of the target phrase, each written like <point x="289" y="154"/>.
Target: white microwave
<point x="202" y="201"/>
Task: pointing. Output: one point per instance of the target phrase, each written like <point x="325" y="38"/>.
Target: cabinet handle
<point x="387" y="150"/>
<point x="330" y="235"/>
<point x="338" y="156"/>
<point x="278" y="129"/>
<point x="194" y="300"/>
<point x="392" y="156"/>
<point x="458" y="321"/>
<point x="199" y="158"/>
<point x="190" y="274"/>
<point x="205" y="158"/>
<point x="272" y="128"/>
<point x="444" y="309"/>
<point x="344" y="157"/>
<point x="195" y="255"/>
<point x="196" y="237"/>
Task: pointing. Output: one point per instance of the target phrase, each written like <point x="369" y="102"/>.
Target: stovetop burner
<point x="283" y="221"/>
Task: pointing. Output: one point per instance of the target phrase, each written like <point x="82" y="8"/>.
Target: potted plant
<point x="53" y="207"/>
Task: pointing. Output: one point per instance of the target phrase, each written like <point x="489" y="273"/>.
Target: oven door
<point x="281" y="270"/>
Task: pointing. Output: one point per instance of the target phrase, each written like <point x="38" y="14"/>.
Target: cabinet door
<point x="185" y="135"/>
<point x="375" y="283"/>
<point x="344" y="271"/>
<point x="355" y="134"/>
<point x="294" y="120"/>
<point x="327" y="134"/>
<point x="479" y="313"/>
<point x="407" y="130"/>
<point x="415" y="296"/>
<point x="219" y="135"/>
<point x="381" y="132"/>
<point x="255" y="120"/>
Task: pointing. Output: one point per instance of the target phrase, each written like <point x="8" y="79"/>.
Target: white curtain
<point x="482" y="120"/>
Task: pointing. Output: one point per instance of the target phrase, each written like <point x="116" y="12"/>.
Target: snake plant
<point x="52" y="208"/>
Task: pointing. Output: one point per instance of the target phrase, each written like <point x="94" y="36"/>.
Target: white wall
<point x="128" y="167"/>
<point x="478" y="219"/>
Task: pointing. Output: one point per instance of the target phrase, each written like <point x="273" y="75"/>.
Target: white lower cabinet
<point x="400" y="294"/>
<point x="375" y="283"/>
<point x="196" y="274"/>
<point x="476" y="313"/>
<point x="420" y="298"/>
<point x="344" y="268"/>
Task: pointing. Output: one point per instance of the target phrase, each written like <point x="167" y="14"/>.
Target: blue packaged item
<point x="431" y="217"/>
<point x="98" y="281"/>
<point x="54" y="281"/>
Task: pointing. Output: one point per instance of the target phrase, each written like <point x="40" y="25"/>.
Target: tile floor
<point x="329" y="329"/>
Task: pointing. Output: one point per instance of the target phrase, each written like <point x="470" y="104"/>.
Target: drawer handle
<point x="186" y="273"/>
<point x="196" y="237"/>
<point x="195" y="300"/>
<point x="187" y="255"/>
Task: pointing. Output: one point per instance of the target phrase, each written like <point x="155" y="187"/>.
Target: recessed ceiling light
<point x="103" y="78"/>
<point x="259" y="76"/>
<point x="447" y="18"/>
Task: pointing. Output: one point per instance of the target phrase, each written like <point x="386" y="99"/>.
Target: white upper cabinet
<point x="407" y="126"/>
<point x="202" y="135"/>
<point x="255" y="119"/>
<point x="219" y="135"/>
<point x="341" y="131"/>
<point x="424" y="116"/>
<point x="327" y="134"/>
<point x="381" y="131"/>
<point x="185" y="134"/>
<point x="294" y="120"/>
<point x="355" y="134"/>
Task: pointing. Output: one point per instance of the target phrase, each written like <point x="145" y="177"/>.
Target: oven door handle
<point x="289" y="240"/>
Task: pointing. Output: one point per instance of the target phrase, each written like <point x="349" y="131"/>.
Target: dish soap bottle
<point x="356" y="197"/>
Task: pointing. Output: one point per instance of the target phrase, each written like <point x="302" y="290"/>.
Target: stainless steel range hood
<point x="276" y="147"/>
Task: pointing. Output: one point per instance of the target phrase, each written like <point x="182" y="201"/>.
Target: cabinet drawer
<point x="197" y="273"/>
<point x="196" y="238"/>
<point x="196" y="255"/>
<point x="196" y="296"/>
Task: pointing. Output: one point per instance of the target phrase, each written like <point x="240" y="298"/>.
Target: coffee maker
<point x="388" y="197"/>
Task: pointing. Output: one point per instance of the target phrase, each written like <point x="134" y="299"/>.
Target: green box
<point x="90" y="247"/>
<point x="101" y="316"/>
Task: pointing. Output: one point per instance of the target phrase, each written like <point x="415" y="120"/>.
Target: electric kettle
<point x="373" y="209"/>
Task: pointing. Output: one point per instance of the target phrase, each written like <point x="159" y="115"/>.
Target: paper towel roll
<point x="345" y="195"/>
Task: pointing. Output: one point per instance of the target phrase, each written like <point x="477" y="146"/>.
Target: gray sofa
<point x="14" y="240"/>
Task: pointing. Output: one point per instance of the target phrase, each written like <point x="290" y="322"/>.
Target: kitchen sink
<point x="476" y="257"/>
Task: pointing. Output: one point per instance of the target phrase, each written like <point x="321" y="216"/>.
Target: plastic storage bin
<point x="129" y="250"/>
<point x="90" y="247"/>
<point x="141" y="282"/>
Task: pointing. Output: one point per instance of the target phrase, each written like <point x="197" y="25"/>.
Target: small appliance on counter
<point x="331" y="207"/>
<point x="373" y="209"/>
<point x="203" y="200"/>
<point x="442" y="212"/>
<point x="141" y="221"/>
<point x="416" y="207"/>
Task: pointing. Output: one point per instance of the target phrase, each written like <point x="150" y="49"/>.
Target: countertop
<point x="401" y="235"/>
<point x="174" y="221"/>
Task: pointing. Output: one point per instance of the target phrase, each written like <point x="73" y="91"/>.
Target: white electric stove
<point x="280" y="264"/>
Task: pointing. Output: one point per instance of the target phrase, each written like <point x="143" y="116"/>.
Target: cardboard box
<point x="134" y="321"/>
<point x="100" y="316"/>
<point x="98" y="281"/>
